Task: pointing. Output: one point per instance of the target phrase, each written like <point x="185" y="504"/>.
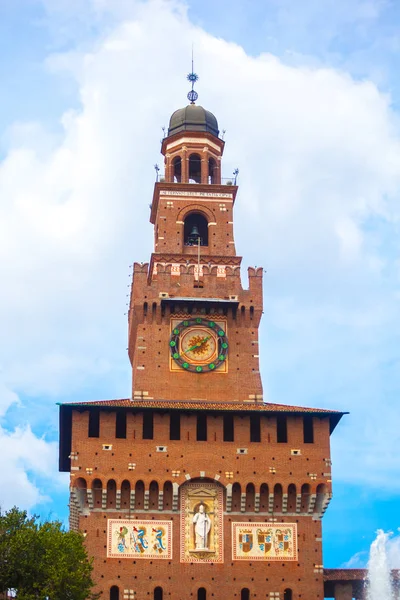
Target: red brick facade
<point x="135" y="459"/>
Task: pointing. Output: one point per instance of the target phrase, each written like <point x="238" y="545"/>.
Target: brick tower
<point x="195" y="488"/>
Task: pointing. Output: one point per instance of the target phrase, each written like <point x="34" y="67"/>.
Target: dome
<point x="193" y="118"/>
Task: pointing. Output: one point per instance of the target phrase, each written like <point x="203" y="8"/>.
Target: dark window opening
<point x="195" y="228"/>
<point x="120" y="425"/>
<point x="281" y="429"/>
<point x="158" y="593"/>
<point x="94" y="423"/>
<point x="177" y="169"/>
<point x="245" y="594"/>
<point x="255" y="428"/>
<point x="175" y="426"/>
<point x="212" y="171"/>
<point x="308" y="430"/>
<point x="236" y="497"/>
<point x="114" y="592"/>
<point x="287" y="594"/>
<point x="229" y="434"/>
<point x="148" y="426"/>
<point x="194" y="168"/>
<point x="201" y="594"/>
<point x="201" y="429"/>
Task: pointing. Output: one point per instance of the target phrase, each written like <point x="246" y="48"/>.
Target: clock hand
<point x="203" y="341"/>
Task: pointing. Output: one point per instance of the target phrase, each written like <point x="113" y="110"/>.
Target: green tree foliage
<point x="42" y="561"/>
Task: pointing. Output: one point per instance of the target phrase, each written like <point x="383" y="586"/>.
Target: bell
<point x="193" y="237"/>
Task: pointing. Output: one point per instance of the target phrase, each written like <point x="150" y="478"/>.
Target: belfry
<point x="195" y="487"/>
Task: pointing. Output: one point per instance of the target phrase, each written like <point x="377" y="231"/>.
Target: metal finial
<point x="192" y="77"/>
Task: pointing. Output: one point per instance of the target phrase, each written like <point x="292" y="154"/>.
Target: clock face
<point x="198" y="345"/>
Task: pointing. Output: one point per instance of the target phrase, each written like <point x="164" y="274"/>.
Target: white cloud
<point x="319" y="159"/>
<point x="27" y="467"/>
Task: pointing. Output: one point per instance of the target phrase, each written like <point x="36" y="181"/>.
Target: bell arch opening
<point x="212" y="171"/>
<point x="177" y="170"/>
<point x="194" y="168"/>
<point x="195" y="229"/>
<point x="287" y="594"/>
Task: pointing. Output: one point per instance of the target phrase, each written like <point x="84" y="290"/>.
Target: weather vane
<point x="192" y="77"/>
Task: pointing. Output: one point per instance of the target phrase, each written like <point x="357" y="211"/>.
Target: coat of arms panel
<point x="264" y="541"/>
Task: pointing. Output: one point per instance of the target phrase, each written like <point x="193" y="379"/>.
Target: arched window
<point x="201" y="594"/>
<point x="292" y="497"/>
<point x="177" y="169"/>
<point x="278" y="497"/>
<point x="114" y="592"/>
<point x="153" y="495"/>
<point x="125" y="494"/>
<point x="196" y="226"/>
<point x="212" y="171"/>
<point x="158" y="593"/>
<point x="305" y="497"/>
<point x="194" y="168"/>
<point x="264" y="497"/>
<point x="167" y="496"/>
<point x="139" y="495"/>
<point x="321" y="494"/>
<point x="81" y="490"/>
<point x="245" y="594"/>
<point x="287" y="594"/>
<point x="236" y="497"/>
<point x="97" y="493"/>
<point x="250" y="496"/>
<point x="111" y="493"/>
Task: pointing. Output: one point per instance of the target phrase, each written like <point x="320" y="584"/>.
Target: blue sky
<point x="308" y="94"/>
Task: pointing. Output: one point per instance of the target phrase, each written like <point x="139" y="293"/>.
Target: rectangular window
<point x="281" y="430"/>
<point x="229" y="433"/>
<point x="308" y="430"/>
<point x="175" y="426"/>
<point x="120" y="424"/>
<point x="148" y="426"/>
<point x="255" y="428"/>
<point x="201" y="428"/>
<point x="94" y="423"/>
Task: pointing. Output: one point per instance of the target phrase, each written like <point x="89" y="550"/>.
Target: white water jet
<point x="379" y="576"/>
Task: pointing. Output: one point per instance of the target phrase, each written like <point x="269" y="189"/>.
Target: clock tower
<point x="194" y="488"/>
<point x="193" y="328"/>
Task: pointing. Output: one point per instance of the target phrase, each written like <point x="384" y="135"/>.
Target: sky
<point x="308" y="94"/>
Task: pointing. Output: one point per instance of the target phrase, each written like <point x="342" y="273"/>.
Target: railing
<point x="224" y="180"/>
<point x="160" y="177"/>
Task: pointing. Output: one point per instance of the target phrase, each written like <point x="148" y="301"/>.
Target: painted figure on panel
<point x="159" y="543"/>
<point x="121" y="538"/>
<point x="138" y="539"/>
<point x="202" y="526"/>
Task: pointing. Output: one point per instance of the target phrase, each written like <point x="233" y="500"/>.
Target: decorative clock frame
<point x="216" y="333"/>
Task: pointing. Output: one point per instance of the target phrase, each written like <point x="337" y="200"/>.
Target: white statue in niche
<point x="202" y="526"/>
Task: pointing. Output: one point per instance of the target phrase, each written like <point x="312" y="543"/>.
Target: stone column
<point x="185" y="166"/>
<point x="204" y="165"/>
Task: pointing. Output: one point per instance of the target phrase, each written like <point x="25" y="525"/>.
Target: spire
<point x="192" y="77"/>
